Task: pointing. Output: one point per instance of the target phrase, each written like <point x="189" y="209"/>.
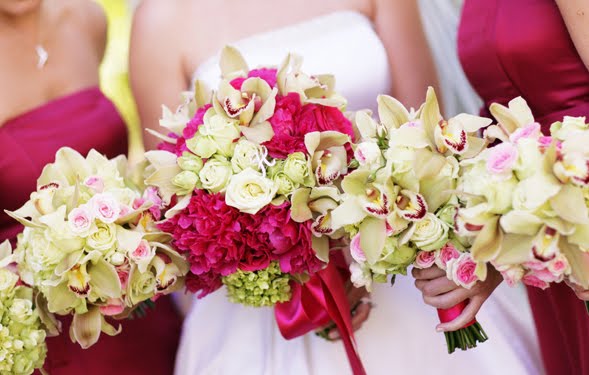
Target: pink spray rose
<point x="80" y="220"/>
<point x="462" y="270"/>
<point x="105" y="207"/>
<point x="501" y="158"/>
<point x="447" y="252"/>
<point x="95" y="183"/>
<point x="533" y="280"/>
<point x="531" y="131"/>
<point x="425" y="259"/>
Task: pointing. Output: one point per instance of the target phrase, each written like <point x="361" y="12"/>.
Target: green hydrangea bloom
<point x="22" y="338"/>
<point x="259" y="288"/>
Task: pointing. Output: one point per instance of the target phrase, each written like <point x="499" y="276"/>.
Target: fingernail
<point x="439" y="329"/>
<point x="333" y="335"/>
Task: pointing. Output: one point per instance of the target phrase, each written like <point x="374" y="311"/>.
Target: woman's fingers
<point x="428" y="273"/>
<point x="360" y="315"/>
<point x="448" y="300"/>
<point x="435" y="287"/>
<point x="467" y="316"/>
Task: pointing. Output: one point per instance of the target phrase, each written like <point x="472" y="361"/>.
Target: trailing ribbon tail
<point x="317" y="302"/>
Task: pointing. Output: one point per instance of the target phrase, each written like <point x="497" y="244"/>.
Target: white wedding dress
<point x="221" y="338"/>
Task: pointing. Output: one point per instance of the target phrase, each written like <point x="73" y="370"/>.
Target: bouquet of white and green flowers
<point x="90" y="245"/>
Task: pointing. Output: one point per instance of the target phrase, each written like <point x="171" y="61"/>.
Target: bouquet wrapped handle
<point x="316" y="303"/>
<point x="466" y="337"/>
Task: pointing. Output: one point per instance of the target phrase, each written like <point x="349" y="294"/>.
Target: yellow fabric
<point x="114" y="74"/>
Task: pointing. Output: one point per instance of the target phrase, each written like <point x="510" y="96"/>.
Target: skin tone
<point x="74" y="34"/>
<point x="440" y="292"/>
<point x="175" y="50"/>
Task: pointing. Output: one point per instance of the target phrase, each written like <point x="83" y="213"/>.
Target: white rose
<point x="430" y="233"/>
<point x="245" y="155"/>
<point x="368" y="153"/>
<point x="103" y="238"/>
<point x="360" y="276"/>
<point x="215" y="174"/>
<point x="249" y="191"/>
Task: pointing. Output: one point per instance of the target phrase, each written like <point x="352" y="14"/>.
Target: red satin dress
<point x="512" y="48"/>
<point x="83" y="120"/>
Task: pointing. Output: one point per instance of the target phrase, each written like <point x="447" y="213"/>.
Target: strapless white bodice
<point x="343" y="43"/>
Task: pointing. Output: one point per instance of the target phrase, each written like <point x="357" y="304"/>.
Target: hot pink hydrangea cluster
<point x="218" y="239"/>
<point x="292" y="120"/>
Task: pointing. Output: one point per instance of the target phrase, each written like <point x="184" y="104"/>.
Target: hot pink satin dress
<point x="82" y="120"/>
<point x="512" y="48"/>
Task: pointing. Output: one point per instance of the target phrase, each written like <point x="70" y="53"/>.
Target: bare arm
<point x="412" y="68"/>
<point x="155" y="62"/>
<point x="576" y="16"/>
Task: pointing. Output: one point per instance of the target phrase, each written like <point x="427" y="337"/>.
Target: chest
<point x="71" y="64"/>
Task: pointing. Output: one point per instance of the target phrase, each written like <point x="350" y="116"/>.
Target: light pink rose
<point x="559" y="265"/>
<point x="425" y="259"/>
<point x="547" y="276"/>
<point x="123" y="273"/>
<point x="114" y="306"/>
<point x="535" y="265"/>
<point x="106" y="208"/>
<point x="512" y="274"/>
<point x="142" y="250"/>
<point x="356" y="250"/>
<point x="534" y="281"/>
<point x="501" y="158"/>
<point x="462" y="270"/>
<point x="95" y="183"/>
<point x="80" y="220"/>
<point x="532" y="130"/>
<point x="446" y="253"/>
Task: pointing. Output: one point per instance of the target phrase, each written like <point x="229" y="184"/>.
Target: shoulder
<point x="89" y="19"/>
<point x="163" y="15"/>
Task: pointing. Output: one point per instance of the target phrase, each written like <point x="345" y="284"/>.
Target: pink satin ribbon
<point x="316" y="303"/>
<point x="448" y="315"/>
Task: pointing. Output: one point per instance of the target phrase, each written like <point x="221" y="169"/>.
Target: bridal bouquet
<point x="248" y="171"/>
<point x="526" y="199"/>
<point x="399" y="206"/>
<point x="90" y="245"/>
<point x="22" y="335"/>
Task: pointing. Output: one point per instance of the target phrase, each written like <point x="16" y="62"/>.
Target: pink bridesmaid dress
<point x="82" y="120"/>
<point x="512" y="48"/>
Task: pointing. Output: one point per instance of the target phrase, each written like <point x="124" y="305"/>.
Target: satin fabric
<point x="510" y="48"/>
<point x="82" y="120"/>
